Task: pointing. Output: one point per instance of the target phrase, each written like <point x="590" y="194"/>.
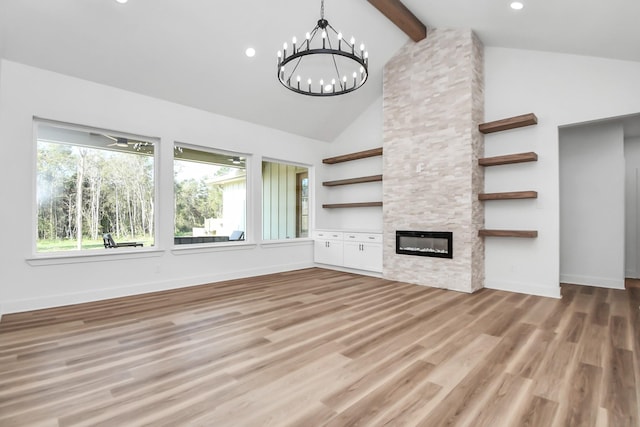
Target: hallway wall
<point x="592" y="205"/>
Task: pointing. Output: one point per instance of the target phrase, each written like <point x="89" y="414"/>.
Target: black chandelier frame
<point x="338" y="86"/>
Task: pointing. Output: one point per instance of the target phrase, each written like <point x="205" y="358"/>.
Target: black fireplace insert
<point x="425" y="243"/>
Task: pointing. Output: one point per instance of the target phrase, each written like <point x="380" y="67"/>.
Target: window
<point x="285" y="201"/>
<point x="210" y="196"/>
<point x="92" y="182"/>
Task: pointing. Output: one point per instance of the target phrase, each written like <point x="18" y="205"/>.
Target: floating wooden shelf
<point x="347" y="158"/>
<point x="509" y="195"/>
<point x="508" y="233"/>
<point x="508" y="159"/>
<point x="497" y="126"/>
<point x="353" y="156"/>
<point x="372" y="178"/>
<point x="352" y="205"/>
<point x="510" y="123"/>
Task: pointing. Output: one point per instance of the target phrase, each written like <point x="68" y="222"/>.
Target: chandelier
<point x="324" y="64"/>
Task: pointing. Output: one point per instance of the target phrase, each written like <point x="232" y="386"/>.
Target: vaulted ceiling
<point x="192" y="52"/>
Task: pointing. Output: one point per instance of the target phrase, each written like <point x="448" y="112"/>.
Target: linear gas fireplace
<point x="425" y="243"/>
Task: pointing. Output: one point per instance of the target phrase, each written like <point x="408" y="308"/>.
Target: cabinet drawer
<point x="328" y="235"/>
<point x="363" y="237"/>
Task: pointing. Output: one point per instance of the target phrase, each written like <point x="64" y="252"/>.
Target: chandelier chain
<point x="322" y="9"/>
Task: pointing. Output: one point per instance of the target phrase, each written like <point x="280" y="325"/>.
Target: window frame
<point x="311" y="196"/>
<point x="249" y="238"/>
<point x="76" y="256"/>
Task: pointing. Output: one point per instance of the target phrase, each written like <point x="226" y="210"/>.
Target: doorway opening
<point x="600" y="202"/>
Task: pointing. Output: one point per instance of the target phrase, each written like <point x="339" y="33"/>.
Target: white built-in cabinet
<point x="328" y="247"/>
<point x="361" y="251"/>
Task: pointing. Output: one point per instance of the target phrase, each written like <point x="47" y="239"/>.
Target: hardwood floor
<point x="632" y="283"/>
<point x="324" y="348"/>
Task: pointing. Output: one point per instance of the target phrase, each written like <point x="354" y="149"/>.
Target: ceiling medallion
<point x="324" y="64"/>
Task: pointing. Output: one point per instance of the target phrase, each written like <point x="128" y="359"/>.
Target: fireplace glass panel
<point x="425" y="243"/>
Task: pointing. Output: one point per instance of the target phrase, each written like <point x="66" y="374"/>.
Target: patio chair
<point x="110" y="243"/>
<point x="236" y="235"/>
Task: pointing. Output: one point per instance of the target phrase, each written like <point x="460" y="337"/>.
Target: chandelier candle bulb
<point x="309" y="81"/>
<point x="298" y="79"/>
<point x="339" y="41"/>
<point x="362" y="50"/>
<point x="284" y="48"/>
<point x="294" y="45"/>
<point x="355" y="76"/>
<point x="321" y="86"/>
<point x="333" y="83"/>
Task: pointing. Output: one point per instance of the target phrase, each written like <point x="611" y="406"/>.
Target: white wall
<point x="560" y="90"/>
<point x="632" y="202"/>
<point x="592" y="205"/>
<point x="365" y="133"/>
<point x="26" y="92"/>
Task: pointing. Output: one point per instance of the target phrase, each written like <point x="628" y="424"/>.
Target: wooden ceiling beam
<point x="398" y="13"/>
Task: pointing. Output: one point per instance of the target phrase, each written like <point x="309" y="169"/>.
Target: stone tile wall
<point x="433" y="103"/>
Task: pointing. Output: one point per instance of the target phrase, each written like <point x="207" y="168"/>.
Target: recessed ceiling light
<point x="250" y="52"/>
<point x="516" y="5"/>
<point x="122" y="1"/>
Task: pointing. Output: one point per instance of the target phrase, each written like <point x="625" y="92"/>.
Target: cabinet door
<point x="363" y="256"/>
<point x="321" y="251"/>
<point x="372" y="257"/>
<point x="327" y="252"/>
<point x="352" y="254"/>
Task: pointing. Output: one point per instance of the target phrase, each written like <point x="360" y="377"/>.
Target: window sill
<point x="78" y="257"/>
<point x="211" y="247"/>
<point x="303" y="241"/>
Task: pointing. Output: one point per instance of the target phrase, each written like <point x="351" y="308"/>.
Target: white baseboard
<point x="524" y="288"/>
<point x="601" y="282"/>
<point x="17" y="306"/>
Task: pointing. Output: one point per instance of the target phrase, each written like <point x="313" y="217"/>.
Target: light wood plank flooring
<point x="632" y="283"/>
<point x="324" y="348"/>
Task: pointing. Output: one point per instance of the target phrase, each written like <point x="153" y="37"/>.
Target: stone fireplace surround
<point x="433" y="101"/>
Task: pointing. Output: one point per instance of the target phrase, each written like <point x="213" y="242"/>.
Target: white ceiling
<point x="192" y="51"/>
